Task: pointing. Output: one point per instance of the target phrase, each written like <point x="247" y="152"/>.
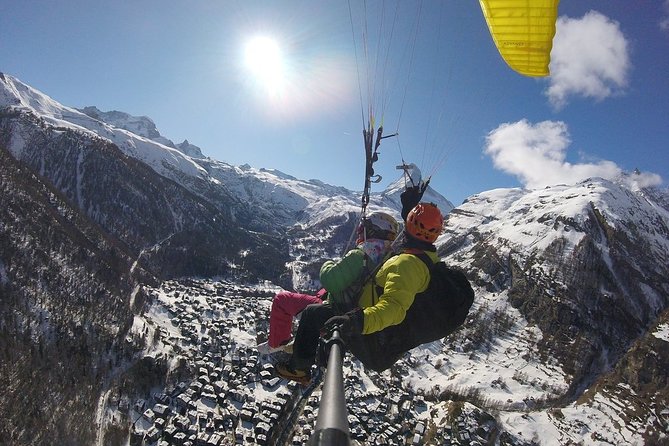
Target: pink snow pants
<point x="285" y="306"/>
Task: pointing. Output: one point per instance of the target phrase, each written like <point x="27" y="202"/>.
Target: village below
<point x="221" y="391"/>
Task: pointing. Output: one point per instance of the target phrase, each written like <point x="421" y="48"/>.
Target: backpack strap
<point x="427" y="260"/>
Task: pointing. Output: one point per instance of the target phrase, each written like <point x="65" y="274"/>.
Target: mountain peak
<point x="190" y="149"/>
<point x="139" y="125"/>
<point x="14" y="93"/>
<point x="413" y="176"/>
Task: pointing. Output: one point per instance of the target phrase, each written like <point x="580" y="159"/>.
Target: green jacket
<point x="340" y="278"/>
<point x="401" y="277"/>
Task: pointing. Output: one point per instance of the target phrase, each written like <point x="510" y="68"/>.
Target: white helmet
<point x="379" y="225"/>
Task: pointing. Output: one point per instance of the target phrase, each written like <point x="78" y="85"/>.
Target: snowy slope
<point x="141" y="126"/>
<point x="507" y="358"/>
<point x="519" y="221"/>
<point x="21" y="97"/>
<point x="306" y="202"/>
<point x="533" y="220"/>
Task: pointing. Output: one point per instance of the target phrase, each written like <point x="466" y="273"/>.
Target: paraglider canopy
<point x="523" y="32"/>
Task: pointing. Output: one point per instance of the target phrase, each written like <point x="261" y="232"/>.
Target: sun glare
<point x="287" y="77"/>
<point x="265" y="62"/>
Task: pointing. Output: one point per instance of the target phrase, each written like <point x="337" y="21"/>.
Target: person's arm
<point x="336" y="276"/>
<point x="411" y="197"/>
<point x="406" y="276"/>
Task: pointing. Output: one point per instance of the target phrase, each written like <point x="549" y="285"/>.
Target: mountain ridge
<point x="142" y="126"/>
<point x="194" y="173"/>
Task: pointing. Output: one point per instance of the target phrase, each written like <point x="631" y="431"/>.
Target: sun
<point x="264" y="60"/>
<point x="285" y="76"/>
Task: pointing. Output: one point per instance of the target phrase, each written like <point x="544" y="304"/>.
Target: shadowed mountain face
<point x="172" y="231"/>
<point x="64" y="312"/>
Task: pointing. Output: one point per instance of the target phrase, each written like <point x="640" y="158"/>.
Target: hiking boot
<point x="285" y="371"/>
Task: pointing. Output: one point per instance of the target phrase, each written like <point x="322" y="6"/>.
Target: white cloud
<point x="664" y="20"/>
<point x="590" y="58"/>
<point x="535" y="154"/>
<point x="643" y="179"/>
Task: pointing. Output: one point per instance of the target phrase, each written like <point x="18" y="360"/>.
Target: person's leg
<point x="375" y="350"/>
<point x="308" y="334"/>
<point x="284" y="307"/>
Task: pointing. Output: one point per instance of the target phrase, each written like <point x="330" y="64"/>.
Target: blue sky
<point x="461" y="113"/>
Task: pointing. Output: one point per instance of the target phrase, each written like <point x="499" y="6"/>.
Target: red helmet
<point x="425" y="222"/>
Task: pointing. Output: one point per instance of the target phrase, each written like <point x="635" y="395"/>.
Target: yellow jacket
<point x="401" y="277"/>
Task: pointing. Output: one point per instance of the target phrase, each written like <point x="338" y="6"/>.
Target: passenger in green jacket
<point x="344" y="278"/>
<point x="383" y="300"/>
<point x="341" y="280"/>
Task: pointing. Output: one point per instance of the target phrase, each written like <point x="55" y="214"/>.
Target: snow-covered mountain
<point x="21" y="98"/>
<point x="273" y="192"/>
<point x="142" y="126"/>
<point x="566" y="343"/>
<point x="573" y="283"/>
<point x="258" y="200"/>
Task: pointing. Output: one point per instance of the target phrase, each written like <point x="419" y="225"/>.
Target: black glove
<point x="411" y="197"/>
<point x="348" y="324"/>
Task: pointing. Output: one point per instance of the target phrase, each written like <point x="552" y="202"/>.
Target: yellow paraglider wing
<point x="523" y="32"/>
